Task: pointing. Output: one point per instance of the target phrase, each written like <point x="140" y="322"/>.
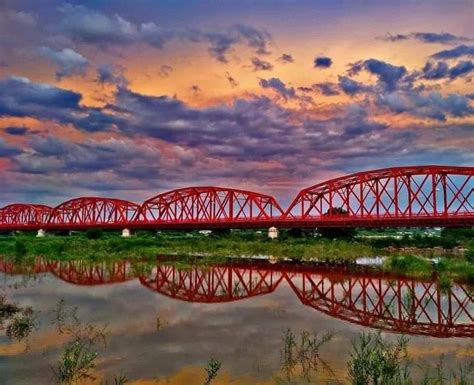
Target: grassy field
<point x="95" y="245"/>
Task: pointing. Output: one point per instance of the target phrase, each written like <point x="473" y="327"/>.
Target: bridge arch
<point x="211" y="284"/>
<point x="210" y="204"/>
<point x="24" y="215"/>
<point x="398" y="304"/>
<point x="92" y="211"/>
<point x="85" y="273"/>
<point x="398" y="193"/>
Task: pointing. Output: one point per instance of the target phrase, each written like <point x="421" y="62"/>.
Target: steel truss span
<point x="400" y="196"/>
<point x="89" y="212"/>
<point x="415" y="196"/>
<point x="210" y="205"/>
<point x="388" y="302"/>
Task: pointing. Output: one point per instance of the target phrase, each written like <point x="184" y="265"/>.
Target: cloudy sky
<point x="131" y="98"/>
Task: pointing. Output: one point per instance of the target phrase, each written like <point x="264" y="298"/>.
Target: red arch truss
<point x="92" y="211"/>
<point x="399" y="304"/>
<point x="86" y="273"/>
<point x="211" y="284"/>
<point x="392" y="194"/>
<point x="20" y="214"/>
<point x="209" y="204"/>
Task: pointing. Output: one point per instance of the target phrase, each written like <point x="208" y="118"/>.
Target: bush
<point x="409" y="264"/>
<point x="375" y="361"/>
<point x="337" y="232"/>
<point x="94" y="233"/>
<point x="470" y="254"/>
<point x="20" y="249"/>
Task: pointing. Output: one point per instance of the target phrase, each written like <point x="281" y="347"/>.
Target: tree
<point x="336" y="232"/>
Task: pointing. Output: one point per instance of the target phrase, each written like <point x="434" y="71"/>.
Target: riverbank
<point x="403" y="257"/>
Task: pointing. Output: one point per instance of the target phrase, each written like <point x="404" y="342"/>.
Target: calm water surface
<point x="164" y="321"/>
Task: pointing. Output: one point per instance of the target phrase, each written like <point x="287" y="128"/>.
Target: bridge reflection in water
<point x="388" y="302"/>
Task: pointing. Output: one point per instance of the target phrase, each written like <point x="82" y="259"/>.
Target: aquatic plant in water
<point x="80" y="353"/>
<point x="212" y="368"/>
<point x="302" y="356"/>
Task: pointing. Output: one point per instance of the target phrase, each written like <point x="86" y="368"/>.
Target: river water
<point x="163" y="320"/>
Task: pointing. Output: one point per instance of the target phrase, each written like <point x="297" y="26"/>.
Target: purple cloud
<point x="322" y="62"/>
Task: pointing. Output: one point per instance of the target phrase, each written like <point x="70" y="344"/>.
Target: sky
<point x="128" y="99"/>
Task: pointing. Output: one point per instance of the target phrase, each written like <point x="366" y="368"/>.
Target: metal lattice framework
<point x="10" y="267"/>
<point x="27" y="214"/>
<point x="91" y="274"/>
<point x="391" y="196"/>
<point x="209" y="205"/>
<point x="392" y="303"/>
<point x="396" y="304"/>
<point x="403" y="305"/>
<point x="415" y="196"/>
<point x="93" y="211"/>
<point x="211" y="285"/>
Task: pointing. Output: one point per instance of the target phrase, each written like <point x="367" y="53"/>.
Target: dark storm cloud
<point x="433" y="71"/>
<point x="195" y="89"/>
<point x="460" y="50"/>
<point x="432" y="105"/>
<point x="19" y="18"/>
<point x="286" y="58"/>
<point x="16" y="131"/>
<point x="322" y="62"/>
<point x="93" y="27"/>
<point x="21" y="98"/>
<point x="442" y="70"/>
<point x="7" y="150"/>
<point x="261" y="65"/>
<point x="350" y="86"/>
<point x="388" y="75"/>
<point x="111" y="74"/>
<point x="426" y="37"/>
<point x="256" y="39"/>
<point x="249" y="131"/>
<point x="50" y="154"/>
<point x="460" y="69"/>
<point x="69" y="62"/>
<point x="305" y="89"/>
<point x="280" y="87"/>
<point x="165" y="71"/>
<point x="233" y="83"/>
<point x="327" y="88"/>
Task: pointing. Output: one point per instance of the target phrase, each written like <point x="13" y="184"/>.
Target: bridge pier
<point x="272" y="233"/>
<point x="41" y="233"/>
<point x="126" y="233"/>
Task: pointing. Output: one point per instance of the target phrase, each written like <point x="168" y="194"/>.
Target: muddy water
<point x="164" y="321"/>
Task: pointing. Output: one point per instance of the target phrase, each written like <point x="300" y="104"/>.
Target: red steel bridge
<point x="415" y="196"/>
<point x="360" y="296"/>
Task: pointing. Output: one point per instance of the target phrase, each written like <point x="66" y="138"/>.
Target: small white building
<point x="41" y="233"/>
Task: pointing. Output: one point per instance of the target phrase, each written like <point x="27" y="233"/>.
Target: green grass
<point x="446" y="269"/>
<point x="81" y="246"/>
<point x="102" y="246"/>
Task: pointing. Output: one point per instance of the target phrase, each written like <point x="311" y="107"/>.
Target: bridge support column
<point x="126" y="233"/>
<point x="272" y="232"/>
<point x="41" y="233"/>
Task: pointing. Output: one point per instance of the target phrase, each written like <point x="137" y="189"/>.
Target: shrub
<point x="20" y="248"/>
<point x="76" y="362"/>
<point x="94" y="233"/>
<point x="375" y="361"/>
<point x="469" y="255"/>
